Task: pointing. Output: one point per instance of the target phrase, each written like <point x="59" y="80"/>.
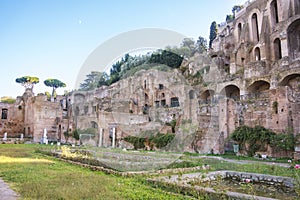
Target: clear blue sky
<point x="52" y="38"/>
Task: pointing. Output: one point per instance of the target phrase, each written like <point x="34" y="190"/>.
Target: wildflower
<point x="297" y="166"/>
<point x="289" y="161"/>
<point x="247" y="180"/>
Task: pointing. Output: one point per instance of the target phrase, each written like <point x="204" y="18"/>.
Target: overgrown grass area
<point x="215" y="164"/>
<point x="36" y="176"/>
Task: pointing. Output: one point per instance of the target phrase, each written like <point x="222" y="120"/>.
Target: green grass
<point x="190" y="161"/>
<point x="35" y="176"/>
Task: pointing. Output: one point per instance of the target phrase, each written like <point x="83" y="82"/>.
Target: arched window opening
<point x="274" y="12"/>
<point x="94" y="124"/>
<point x="294" y="40"/>
<point x="255" y="32"/>
<point x="277" y="49"/>
<point x="257" y="54"/>
<point x="239" y="31"/>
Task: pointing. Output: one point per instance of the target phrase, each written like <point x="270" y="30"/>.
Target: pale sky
<point x="53" y="38"/>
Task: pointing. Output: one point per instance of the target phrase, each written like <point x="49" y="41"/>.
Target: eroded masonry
<point x="251" y="76"/>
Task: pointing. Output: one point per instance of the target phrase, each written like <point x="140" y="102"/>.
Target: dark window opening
<point x="277" y="49"/>
<point x="146" y="109"/>
<point x="239" y="31"/>
<point x="162" y="95"/>
<point x="161" y="86"/>
<point x="174" y="102"/>
<point x="145" y="84"/>
<point x="163" y="103"/>
<point x="255" y="32"/>
<point x="4" y="114"/>
<point x="191" y="94"/>
<point x="257" y="54"/>
<point x="274" y="11"/>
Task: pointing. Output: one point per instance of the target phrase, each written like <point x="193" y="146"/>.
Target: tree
<point x="167" y="58"/>
<point x="76" y="135"/>
<point x="213" y="33"/>
<point x="236" y="8"/>
<point x="201" y="44"/>
<point x="8" y="100"/>
<point x="28" y="81"/>
<point x="94" y="79"/>
<point x="229" y="18"/>
<point x="54" y="83"/>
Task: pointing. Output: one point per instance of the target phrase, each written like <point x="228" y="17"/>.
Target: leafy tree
<point x="213" y="33"/>
<point x="67" y="135"/>
<point x="236" y="8"/>
<point x="167" y="58"/>
<point x="54" y="83"/>
<point x="76" y="135"/>
<point x="8" y="100"/>
<point x="94" y="79"/>
<point x="28" y="81"/>
<point x="201" y="44"/>
<point x="188" y="42"/>
<point x="229" y="18"/>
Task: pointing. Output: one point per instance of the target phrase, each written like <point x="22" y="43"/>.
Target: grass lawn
<point x="36" y="176"/>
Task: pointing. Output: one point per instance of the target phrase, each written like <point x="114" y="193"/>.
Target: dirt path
<point x="6" y="193"/>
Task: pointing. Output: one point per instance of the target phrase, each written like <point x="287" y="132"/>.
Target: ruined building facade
<point x="251" y="76"/>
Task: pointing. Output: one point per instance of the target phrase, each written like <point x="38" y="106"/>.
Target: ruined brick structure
<point x="251" y="76"/>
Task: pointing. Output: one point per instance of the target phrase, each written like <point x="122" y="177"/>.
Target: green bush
<point x="283" y="141"/>
<point x="137" y="142"/>
<point x="159" y="140"/>
<point x="257" y="138"/>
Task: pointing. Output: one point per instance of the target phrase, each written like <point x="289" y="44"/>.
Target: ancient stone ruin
<point x="250" y="76"/>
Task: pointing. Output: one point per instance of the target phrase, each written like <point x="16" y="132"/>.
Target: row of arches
<point x="276" y="48"/>
<point x="256" y="88"/>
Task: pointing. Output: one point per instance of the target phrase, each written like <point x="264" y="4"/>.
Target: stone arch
<point x="254" y="25"/>
<point x="259" y="86"/>
<point x="277" y="49"/>
<point x="285" y="80"/>
<point x="94" y="124"/>
<point x="257" y="55"/>
<point x="79" y="98"/>
<point x="207" y="96"/>
<point x="293" y="32"/>
<point x="231" y="91"/>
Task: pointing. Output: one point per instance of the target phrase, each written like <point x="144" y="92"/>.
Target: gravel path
<point x="6" y="193"/>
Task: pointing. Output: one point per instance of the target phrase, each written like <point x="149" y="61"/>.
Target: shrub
<point x="257" y="138"/>
<point x="283" y="141"/>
